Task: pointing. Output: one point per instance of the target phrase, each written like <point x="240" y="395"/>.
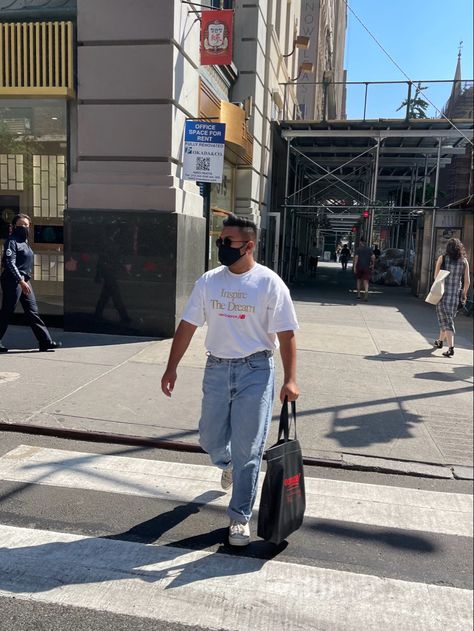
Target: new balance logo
<point x="293" y="481"/>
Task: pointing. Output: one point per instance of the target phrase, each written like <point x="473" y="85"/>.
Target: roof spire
<point x="457" y="74"/>
<point x="456" y="89"/>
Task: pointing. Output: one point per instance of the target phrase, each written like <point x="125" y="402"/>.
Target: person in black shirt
<point x="345" y="256"/>
<point x="363" y="265"/>
<point x="17" y="263"/>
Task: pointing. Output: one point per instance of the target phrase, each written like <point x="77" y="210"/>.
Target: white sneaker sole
<point x="239" y="543"/>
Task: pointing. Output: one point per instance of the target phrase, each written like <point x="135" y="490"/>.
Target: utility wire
<point x="403" y="72"/>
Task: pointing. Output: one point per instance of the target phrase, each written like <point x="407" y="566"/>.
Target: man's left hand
<point x="290" y="390"/>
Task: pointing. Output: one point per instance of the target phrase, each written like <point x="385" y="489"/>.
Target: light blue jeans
<point x="236" y="414"/>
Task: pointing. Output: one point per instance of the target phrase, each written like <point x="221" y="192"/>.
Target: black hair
<point x="246" y="226"/>
<point x="20" y="216"/>
<point x="455" y="249"/>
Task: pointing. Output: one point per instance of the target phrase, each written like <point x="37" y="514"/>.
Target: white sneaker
<point x="239" y="534"/>
<point x="226" y="479"/>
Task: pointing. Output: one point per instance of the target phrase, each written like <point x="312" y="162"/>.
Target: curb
<point x="346" y="461"/>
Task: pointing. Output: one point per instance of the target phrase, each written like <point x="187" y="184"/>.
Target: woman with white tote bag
<point x="452" y="269"/>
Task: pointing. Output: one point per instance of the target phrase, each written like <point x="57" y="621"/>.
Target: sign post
<point x="204" y="145"/>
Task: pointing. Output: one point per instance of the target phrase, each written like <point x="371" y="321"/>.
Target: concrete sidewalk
<point x="373" y="390"/>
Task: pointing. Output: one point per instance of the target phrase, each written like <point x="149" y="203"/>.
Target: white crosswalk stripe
<point x="221" y="591"/>
<point x="386" y="506"/>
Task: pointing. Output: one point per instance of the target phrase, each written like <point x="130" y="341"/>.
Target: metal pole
<point x="365" y="98"/>
<point x="412" y="181"/>
<point x="293" y="211"/>
<point x="407" y="246"/>
<point x="325" y="101"/>
<point x="407" y="114"/>
<point x="288" y="278"/>
<point x="425" y="180"/>
<point x="433" y="217"/>
<point x="374" y="191"/>
<point x="297" y="244"/>
<point x="415" y="185"/>
<point x="435" y="196"/>
<point x="398" y="229"/>
<point x="280" y="268"/>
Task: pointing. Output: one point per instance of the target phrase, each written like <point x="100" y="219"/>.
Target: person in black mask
<point x="249" y="313"/>
<point x="17" y="263"/>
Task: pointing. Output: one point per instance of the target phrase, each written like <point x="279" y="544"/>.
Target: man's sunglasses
<point x="227" y="242"/>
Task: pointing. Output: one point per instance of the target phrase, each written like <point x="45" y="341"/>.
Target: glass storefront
<point x="222" y="204"/>
<point x="33" y="180"/>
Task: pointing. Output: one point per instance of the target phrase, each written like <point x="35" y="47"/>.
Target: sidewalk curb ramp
<point x="344" y="461"/>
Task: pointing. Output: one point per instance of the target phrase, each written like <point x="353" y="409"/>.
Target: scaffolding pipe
<point x="398" y="228"/>
<point x="412" y="182"/>
<point x="425" y="181"/>
<point x="288" y="278"/>
<point x="297" y="244"/>
<point x="296" y="183"/>
<point x="280" y="268"/>
<point x="374" y="192"/>
<point x="433" y="217"/>
<point x="415" y="185"/>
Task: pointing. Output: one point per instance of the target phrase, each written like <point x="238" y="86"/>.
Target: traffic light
<point x="365" y="214"/>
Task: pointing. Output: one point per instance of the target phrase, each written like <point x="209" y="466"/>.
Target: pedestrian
<point x="17" y="263"/>
<point x="363" y="264"/>
<point x="345" y="256"/>
<point x="456" y="285"/>
<point x="249" y="313"/>
<point x="313" y="258"/>
<point x="376" y="251"/>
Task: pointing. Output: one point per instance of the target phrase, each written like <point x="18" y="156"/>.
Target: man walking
<point x="249" y="313"/>
<point x="15" y="280"/>
<point x="363" y="264"/>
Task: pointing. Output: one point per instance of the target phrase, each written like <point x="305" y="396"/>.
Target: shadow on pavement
<point x="363" y="430"/>
<point x="391" y="538"/>
<point x="94" y="560"/>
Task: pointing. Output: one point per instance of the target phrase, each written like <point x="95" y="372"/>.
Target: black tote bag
<point x="282" y="502"/>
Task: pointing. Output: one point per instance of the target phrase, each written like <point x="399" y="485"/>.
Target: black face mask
<point x="20" y="233"/>
<point x="229" y="255"/>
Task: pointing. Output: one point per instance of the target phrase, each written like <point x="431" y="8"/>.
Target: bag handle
<point x="284" y="427"/>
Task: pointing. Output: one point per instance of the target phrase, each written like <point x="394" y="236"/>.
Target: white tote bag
<point x="437" y="288"/>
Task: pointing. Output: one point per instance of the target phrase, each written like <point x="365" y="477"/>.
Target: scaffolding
<point x="374" y="177"/>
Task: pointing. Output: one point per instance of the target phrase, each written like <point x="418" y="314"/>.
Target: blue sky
<point x="421" y="35"/>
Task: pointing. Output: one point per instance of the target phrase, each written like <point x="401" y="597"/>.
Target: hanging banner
<point x="204" y="145"/>
<point x="216" y="37"/>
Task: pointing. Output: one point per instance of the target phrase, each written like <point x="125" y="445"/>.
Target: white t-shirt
<point x="244" y="312"/>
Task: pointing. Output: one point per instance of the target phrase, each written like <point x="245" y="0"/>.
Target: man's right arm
<point x="181" y="341"/>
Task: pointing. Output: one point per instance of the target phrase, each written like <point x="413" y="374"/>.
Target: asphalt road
<point x="434" y="557"/>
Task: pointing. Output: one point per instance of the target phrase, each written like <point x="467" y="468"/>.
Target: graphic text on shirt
<point x="230" y="305"/>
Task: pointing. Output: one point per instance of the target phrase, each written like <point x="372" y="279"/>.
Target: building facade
<point x="94" y="95"/>
<point x="321" y="94"/>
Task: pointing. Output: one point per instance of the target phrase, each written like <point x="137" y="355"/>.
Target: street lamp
<point x="306" y="66"/>
<point x="300" y="42"/>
